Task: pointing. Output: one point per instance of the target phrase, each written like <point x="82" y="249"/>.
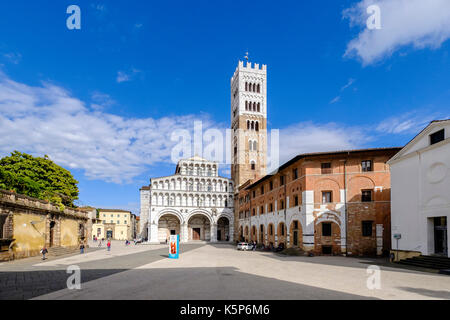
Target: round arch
<point x="199" y="225"/>
<point x="172" y="212"/>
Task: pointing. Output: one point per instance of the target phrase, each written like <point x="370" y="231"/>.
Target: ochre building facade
<point x="28" y="224"/>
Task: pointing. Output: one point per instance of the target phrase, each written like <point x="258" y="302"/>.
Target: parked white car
<point x="244" y="246"/>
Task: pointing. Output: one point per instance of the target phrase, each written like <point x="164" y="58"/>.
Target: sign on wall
<point x="174" y="246"/>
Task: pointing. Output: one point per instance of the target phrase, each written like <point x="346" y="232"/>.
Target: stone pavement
<point x="214" y="271"/>
<point x="32" y="277"/>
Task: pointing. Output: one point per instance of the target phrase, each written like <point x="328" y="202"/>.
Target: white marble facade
<point x="195" y="203"/>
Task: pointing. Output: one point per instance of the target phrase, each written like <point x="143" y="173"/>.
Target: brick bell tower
<point x="248" y="123"/>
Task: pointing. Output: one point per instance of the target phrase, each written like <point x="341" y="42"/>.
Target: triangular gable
<point x="419" y="138"/>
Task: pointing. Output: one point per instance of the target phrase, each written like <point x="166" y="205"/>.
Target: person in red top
<point x="109" y="245"/>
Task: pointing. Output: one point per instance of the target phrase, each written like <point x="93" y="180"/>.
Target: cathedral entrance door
<point x="196" y="234"/>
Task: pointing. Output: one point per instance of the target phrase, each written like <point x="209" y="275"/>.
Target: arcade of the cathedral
<point x="195" y="203"/>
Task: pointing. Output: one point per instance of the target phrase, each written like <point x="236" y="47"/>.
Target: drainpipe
<point x="285" y="208"/>
<point x="345" y="204"/>
<point x="250" y="222"/>
<point x="149" y="212"/>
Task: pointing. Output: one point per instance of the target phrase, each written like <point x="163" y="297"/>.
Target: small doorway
<point x="52" y="234"/>
<point x="440" y="236"/>
<point x="109" y="234"/>
<point x="173" y="232"/>
<point x="196" y="234"/>
<point x="295" y="242"/>
<point x="219" y="235"/>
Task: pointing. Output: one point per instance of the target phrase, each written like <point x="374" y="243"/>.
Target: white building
<point x="195" y="203"/>
<point x="420" y="179"/>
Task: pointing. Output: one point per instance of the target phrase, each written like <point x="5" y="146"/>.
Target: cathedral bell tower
<point x="248" y="123"/>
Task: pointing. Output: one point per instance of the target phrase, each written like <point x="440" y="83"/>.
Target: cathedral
<point x="196" y="203"/>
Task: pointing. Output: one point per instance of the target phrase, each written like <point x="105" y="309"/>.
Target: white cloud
<point x="101" y="101"/>
<point x="13" y="57"/>
<point x="417" y="23"/>
<point x="336" y="99"/>
<point x="350" y="82"/>
<point x="48" y="120"/>
<point x="308" y="137"/>
<point x="409" y="123"/>
<point x="123" y="76"/>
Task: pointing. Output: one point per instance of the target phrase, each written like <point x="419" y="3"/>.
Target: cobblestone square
<point x="212" y="271"/>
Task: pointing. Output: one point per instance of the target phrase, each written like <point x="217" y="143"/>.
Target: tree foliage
<point x="39" y="178"/>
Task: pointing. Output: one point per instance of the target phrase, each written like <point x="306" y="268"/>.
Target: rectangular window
<point x="367" y="228"/>
<point x="262" y="190"/>
<point x="327" y="197"/>
<point x="326" y="168"/>
<point x="281" y="180"/>
<point x="366" y="195"/>
<point x="270" y="207"/>
<point x="281" y="204"/>
<point x="295" y="173"/>
<point x="295" y="201"/>
<point x="125" y="222"/>
<point x="118" y="222"/>
<point x="367" y="166"/>
<point x="437" y="137"/>
<point x="326" y="229"/>
<point x="271" y="185"/>
<point x="254" y="194"/>
<point x="262" y="210"/>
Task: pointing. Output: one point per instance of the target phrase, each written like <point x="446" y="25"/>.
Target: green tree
<point x="39" y="178"/>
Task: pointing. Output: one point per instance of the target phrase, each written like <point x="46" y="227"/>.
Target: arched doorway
<point x="281" y="232"/>
<point x="52" y="234"/>
<point x="246" y="234"/>
<point x="168" y="225"/>
<point x="223" y="229"/>
<point x="270" y="235"/>
<point x="261" y="234"/>
<point x="199" y="228"/>
<point x="327" y="238"/>
<point x="254" y="236"/>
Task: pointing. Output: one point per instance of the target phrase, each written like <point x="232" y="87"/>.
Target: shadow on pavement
<point x="224" y="283"/>
<point x="429" y="293"/>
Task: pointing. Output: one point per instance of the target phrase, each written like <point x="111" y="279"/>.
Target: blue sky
<point x="102" y="101"/>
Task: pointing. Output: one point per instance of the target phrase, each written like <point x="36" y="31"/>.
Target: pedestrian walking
<point x="82" y="248"/>
<point x="100" y="243"/>
<point x="109" y="245"/>
<point x="44" y="251"/>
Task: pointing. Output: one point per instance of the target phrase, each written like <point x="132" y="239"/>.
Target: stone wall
<point x="32" y="223"/>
